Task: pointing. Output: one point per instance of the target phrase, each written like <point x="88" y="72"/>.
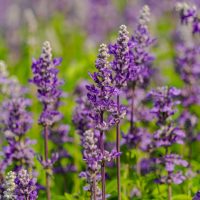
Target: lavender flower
<point x="101" y="96"/>
<point x="92" y="156"/>
<point x="187" y="66"/>
<point x="25" y="186"/>
<point x="197" y="196"/>
<point x="16" y="121"/>
<point x="45" y="78"/>
<point x="9" y="186"/>
<point x="83" y="111"/>
<point x="167" y="134"/>
<point x="163" y="102"/>
<point x="176" y="178"/>
<point x="188" y="122"/>
<point x="186" y="12"/>
<point x="19" y="153"/>
<point x="120" y="66"/>
<point x="170" y="161"/>
<point x="140" y="71"/>
<point x="188" y="15"/>
<point x="121" y="62"/>
<point x="164" y="107"/>
<point x="141" y="60"/>
<point x="187" y="63"/>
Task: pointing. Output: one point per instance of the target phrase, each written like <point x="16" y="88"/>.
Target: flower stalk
<point x="45" y="78"/>
<point x="118" y="150"/>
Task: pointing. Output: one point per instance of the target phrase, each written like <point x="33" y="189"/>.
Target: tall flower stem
<point x="132" y="109"/>
<point x="103" y="180"/>
<point x="169" y="191"/>
<point x="118" y="150"/>
<point x="46" y="159"/>
<point x="94" y="192"/>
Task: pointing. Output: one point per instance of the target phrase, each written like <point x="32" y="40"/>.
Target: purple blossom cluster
<point x="187" y="65"/>
<point x="164" y="103"/>
<point x="26" y="187"/>
<point x="197" y="196"/>
<point x="49" y="93"/>
<point x="121" y="62"/>
<point x="19" y="186"/>
<point x="101" y="94"/>
<point x="170" y="161"/>
<point x="47" y="82"/>
<point x="141" y="60"/>
<point x="8" y="186"/>
<point x="140" y="71"/>
<point x="168" y="133"/>
<point x="15" y="123"/>
<point x="45" y="78"/>
<point x="188" y="15"/>
<point x="130" y="65"/>
<point x="92" y="155"/>
<point x="83" y="111"/>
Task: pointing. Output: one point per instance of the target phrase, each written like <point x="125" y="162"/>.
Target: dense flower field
<point x="100" y="100"/>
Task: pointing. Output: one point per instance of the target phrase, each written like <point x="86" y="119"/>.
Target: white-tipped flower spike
<point x="123" y="34"/>
<point x="144" y="17"/>
<point x="184" y="6"/>
<point x="25" y="186"/>
<point x="9" y="186"/>
<point x="46" y="51"/>
<point x="3" y="69"/>
<point x="186" y="11"/>
<point x="92" y="157"/>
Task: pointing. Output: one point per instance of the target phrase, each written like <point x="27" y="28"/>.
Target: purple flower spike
<point x="121" y="62"/>
<point x="83" y="111"/>
<point x="197" y="196"/>
<point x="188" y="15"/>
<point x="45" y="78"/>
<point x="92" y="156"/>
<point x="25" y="186"/>
<point x="140" y="68"/>
<point x="186" y="12"/>
<point x="16" y="121"/>
<point x="101" y="96"/>
<point x="164" y="103"/>
<point x="166" y="135"/>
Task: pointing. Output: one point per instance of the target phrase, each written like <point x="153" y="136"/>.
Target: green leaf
<point x="181" y="197"/>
